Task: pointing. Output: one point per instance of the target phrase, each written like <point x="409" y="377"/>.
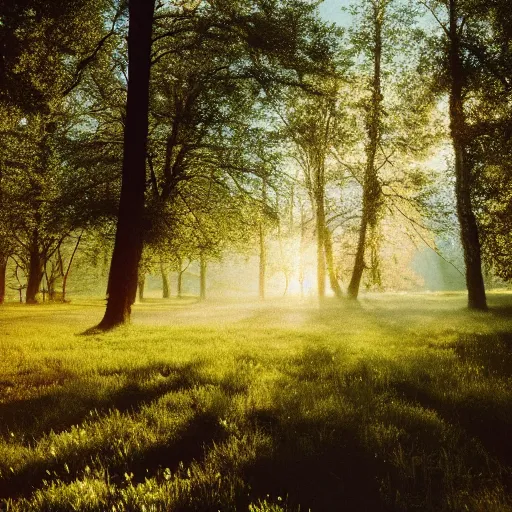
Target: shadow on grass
<point x="318" y="460"/>
<point x="189" y="444"/>
<point x="195" y="437"/>
<point x="488" y="419"/>
<point x="67" y="403"/>
<point x="310" y="473"/>
<point x="322" y="459"/>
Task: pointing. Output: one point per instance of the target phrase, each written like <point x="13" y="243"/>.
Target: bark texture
<point x="129" y="235"/>
<point x="140" y="286"/>
<point x="320" y="235"/>
<point x="467" y="220"/>
<point x="166" y="289"/>
<point x="179" y="288"/>
<point x="371" y="185"/>
<point x="329" y="260"/>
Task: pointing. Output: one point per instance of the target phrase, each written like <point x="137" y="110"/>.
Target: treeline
<point x="165" y="132"/>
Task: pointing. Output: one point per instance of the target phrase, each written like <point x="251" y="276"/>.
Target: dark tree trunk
<point x="50" y="284"/>
<point x="129" y="235"/>
<point x="64" y="286"/>
<point x="3" y="270"/>
<point x="329" y="259"/>
<point x="35" y="273"/>
<point x="371" y="187"/>
<point x="468" y="225"/>
<point x="140" y="286"/>
<point x="202" y="277"/>
<point x="359" y="264"/>
<point x="66" y="273"/>
<point x="166" y="290"/>
<point x="320" y="239"/>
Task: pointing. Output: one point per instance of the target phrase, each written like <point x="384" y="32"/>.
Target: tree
<point x="487" y="43"/>
<point x="129" y="235"/>
<point x="315" y="124"/>
<point x="457" y="67"/>
<point x="371" y="187"/>
<point x="34" y="34"/>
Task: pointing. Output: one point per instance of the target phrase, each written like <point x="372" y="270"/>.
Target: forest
<point x="257" y="129"/>
<point x="255" y="255"/>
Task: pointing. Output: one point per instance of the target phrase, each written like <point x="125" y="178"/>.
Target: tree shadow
<point x="314" y="475"/>
<point x="189" y="444"/>
<point x="67" y="403"/>
<point x="317" y="462"/>
<point x="489" y="421"/>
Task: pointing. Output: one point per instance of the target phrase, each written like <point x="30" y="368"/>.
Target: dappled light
<point x="255" y="256"/>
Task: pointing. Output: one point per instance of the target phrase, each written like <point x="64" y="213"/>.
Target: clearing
<point x="398" y="403"/>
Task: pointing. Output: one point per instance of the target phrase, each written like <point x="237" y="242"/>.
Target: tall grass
<point x="400" y="403"/>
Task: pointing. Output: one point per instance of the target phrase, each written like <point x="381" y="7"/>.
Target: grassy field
<point x="400" y="403"/>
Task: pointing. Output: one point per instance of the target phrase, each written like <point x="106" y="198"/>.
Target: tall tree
<point x="376" y="16"/>
<point x="220" y="44"/>
<point x="488" y="44"/>
<point x="457" y="63"/>
<point x="459" y="133"/>
<point x="129" y="235"/>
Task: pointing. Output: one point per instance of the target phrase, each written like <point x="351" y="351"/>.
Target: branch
<point x="441" y="24"/>
<point x="422" y="238"/>
<point x="82" y="65"/>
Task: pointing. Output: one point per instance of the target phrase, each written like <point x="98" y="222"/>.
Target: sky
<point x="331" y="11"/>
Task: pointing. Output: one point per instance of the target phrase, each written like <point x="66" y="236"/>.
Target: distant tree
<point x="315" y="124"/>
<point x="396" y="118"/>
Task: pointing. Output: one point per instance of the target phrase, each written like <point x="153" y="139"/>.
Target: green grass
<point x="400" y="403"/>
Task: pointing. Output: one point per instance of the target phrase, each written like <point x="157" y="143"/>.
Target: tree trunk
<point x="202" y="277"/>
<point x="371" y="186"/>
<point x="129" y="235"/>
<point x="35" y="272"/>
<point x="468" y="225"/>
<point x="140" y="285"/>
<point x="263" y="262"/>
<point x="320" y="240"/>
<point x="179" y="288"/>
<point x="50" y="283"/>
<point x="329" y="259"/>
<point x="66" y="273"/>
<point x="166" y="291"/>
<point x="263" y="248"/>
<point x="3" y="270"/>
<point x="301" y="249"/>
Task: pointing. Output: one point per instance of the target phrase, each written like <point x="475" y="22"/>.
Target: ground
<point x="398" y="403"/>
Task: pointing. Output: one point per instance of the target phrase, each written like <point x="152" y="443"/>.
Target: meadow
<point x="397" y="403"/>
